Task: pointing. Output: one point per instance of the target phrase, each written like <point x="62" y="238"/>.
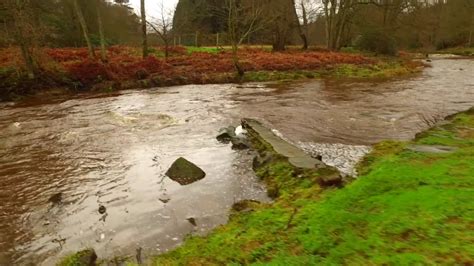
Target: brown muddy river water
<point x="114" y="151"/>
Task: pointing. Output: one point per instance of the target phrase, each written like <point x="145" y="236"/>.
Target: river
<point x="62" y="158"/>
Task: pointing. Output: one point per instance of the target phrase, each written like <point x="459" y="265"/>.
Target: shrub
<point x="378" y="42"/>
<point x="88" y="71"/>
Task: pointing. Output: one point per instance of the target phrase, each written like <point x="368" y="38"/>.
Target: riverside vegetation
<point x="70" y="70"/>
<point x="407" y="207"/>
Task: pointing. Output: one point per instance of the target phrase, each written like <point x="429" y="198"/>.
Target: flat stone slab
<point x="296" y="156"/>
<point x="431" y="148"/>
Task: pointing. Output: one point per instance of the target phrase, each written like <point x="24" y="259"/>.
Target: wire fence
<point x="218" y="39"/>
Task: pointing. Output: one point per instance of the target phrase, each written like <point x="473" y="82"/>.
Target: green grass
<point x="384" y="69"/>
<point x="465" y="51"/>
<point x="210" y="50"/>
<point x="408" y="208"/>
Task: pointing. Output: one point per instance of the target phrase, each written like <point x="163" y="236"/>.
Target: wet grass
<point x="210" y="50"/>
<point x="383" y="69"/>
<point x="407" y="208"/>
<point x="463" y="51"/>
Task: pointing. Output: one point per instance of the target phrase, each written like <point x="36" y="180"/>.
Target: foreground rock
<point x="185" y="172"/>
<point x="272" y="148"/>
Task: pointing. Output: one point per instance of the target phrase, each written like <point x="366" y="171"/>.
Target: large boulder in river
<point x="185" y="172"/>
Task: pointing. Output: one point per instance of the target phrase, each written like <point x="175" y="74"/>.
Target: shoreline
<point x="68" y="71"/>
<point x="386" y="71"/>
<point x="297" y="226"/>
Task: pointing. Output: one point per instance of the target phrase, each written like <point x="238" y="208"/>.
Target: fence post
<point x="179" y="40"/>
<point x="196" y="39"/>
<point x="217" y="40"/>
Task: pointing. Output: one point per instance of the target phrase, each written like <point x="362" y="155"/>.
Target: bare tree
<point x="242" y="20"/>
<point x="304" y="16"/>
<point x="21" y="15"/>
<point x="163" y="27"/>
<point x="144" y="28"/>
<point x="336" y="18"/>
<point x="470" y="5"/>
<point x="85" y="31"/>
<point x="103" y="52"/>
<point x="283" y="19"/>
<point x="302" y="33"/>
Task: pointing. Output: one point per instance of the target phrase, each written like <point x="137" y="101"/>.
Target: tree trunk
<point x="470" y="37"/>
<point x="236" y="61"/>
<point x="235" y="40"/>
<point x="85" y="32"/>
<point x="328" y="23"/>
<point x="167" y="47"/>
<point x="279" y="42"/>
<point x="18" y="17"/>
<point x="103" y="52"/>
<point x="471" y="29"/>
<point x="305" y="25"/>
<point x="298" y="24"/>
<point x="26" y="54"/>
<point x="144" y="36"/>
<point x="279" y="38"/>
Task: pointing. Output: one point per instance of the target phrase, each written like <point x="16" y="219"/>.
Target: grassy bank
<point x="463" y="51"/>
<point x="407" y="208"/>
<point x="70" y="70"/>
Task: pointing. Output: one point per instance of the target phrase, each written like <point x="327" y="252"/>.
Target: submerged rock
<point x="185" y="172"/>
<point x="240" y="144"/>
<point x="102" y="209"/>
<point x="192" y="221"/>
<point x="236" y="136"/>
<point x="165" y="198"/>
<point x="226" y="134"/>
<point x="56" y="198"/>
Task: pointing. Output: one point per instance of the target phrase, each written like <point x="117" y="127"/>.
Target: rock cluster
<point x="236" y="136"/>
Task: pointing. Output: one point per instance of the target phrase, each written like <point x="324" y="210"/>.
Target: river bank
<point x="410" y="205"/>
<point x="70" y="71"/>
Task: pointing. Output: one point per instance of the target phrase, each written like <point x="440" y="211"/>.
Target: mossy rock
<point x="86" y="257"/>
<point x="185" y="172"/>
